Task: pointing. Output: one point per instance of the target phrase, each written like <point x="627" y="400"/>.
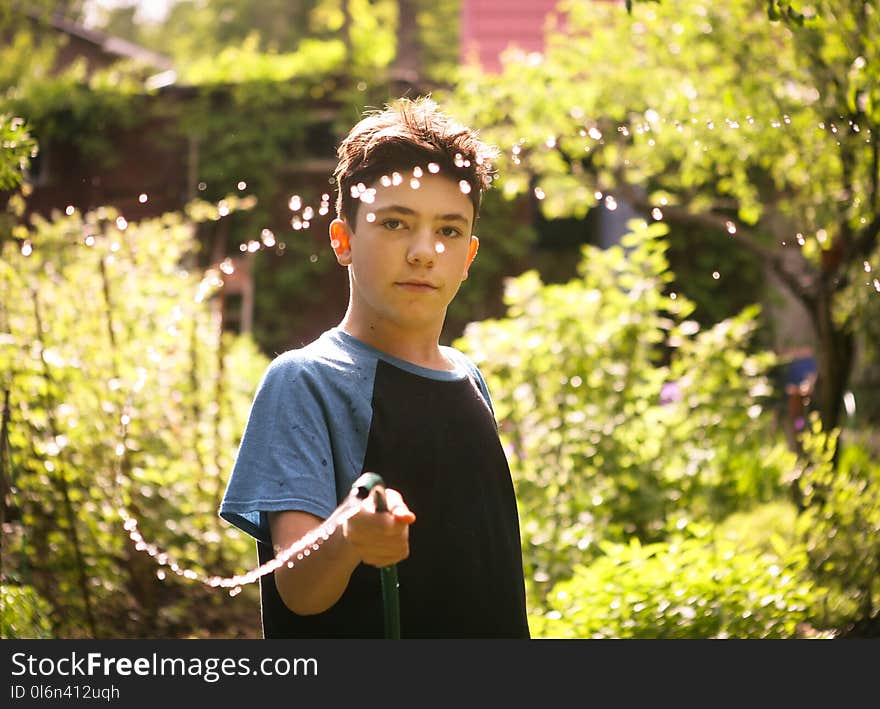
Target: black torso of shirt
<point x="437" y="443"/>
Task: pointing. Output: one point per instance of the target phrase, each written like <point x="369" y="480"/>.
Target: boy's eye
<point x="392" y="224"/>
<point x="450" y="231"/>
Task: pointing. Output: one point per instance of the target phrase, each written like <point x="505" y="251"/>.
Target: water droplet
<point x="142" y="198"/>
<point x="242" y="185"/>
<point x="716" y="275"/>
<point x="464" y="186"/>
<point x="849" y="403"/>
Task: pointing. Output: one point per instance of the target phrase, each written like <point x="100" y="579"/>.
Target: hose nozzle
<point x="371" y="483"/>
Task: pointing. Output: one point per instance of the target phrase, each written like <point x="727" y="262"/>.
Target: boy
<point x="378" y="393"/>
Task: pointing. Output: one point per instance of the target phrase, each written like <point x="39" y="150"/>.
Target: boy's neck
<point x="421" y="348"/>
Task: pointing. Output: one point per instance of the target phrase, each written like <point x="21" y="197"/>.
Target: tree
<point x="712" y="115"/>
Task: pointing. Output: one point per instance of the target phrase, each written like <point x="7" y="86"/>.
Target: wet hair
<point x="408" y="134"/>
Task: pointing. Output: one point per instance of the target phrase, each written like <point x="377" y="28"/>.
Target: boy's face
<point x="408" y="252"/>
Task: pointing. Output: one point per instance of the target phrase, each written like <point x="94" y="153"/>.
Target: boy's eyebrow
<point x="400" y="209"/>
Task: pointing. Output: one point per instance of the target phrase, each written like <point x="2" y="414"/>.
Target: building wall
<point x="489" y="27"/>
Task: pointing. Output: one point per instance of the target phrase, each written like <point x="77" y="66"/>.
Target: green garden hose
<point x="366" y="484"/>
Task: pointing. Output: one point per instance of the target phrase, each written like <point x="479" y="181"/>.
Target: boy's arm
<point x="317" y="581"/>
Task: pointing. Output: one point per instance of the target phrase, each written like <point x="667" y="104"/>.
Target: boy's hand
<point x="380" y="538"/>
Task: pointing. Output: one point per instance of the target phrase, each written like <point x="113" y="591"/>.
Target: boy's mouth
<point x="416" y="285"/>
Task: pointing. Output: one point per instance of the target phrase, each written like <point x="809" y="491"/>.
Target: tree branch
<point x="682" y="215"/>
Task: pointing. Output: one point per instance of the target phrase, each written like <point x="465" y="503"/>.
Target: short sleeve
<point x="284" y="460"/>
<point x="474" y="373"/>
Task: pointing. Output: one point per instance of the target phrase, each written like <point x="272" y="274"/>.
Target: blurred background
<point x="676" y="301"/>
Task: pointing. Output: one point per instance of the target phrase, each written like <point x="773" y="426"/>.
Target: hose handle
<point x="371" y="483"/>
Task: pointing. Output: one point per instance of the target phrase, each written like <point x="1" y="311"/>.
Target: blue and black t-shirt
<point x="336" y="408"/>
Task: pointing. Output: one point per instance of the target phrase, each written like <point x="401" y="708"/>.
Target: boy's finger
<point x="398" y="507"/>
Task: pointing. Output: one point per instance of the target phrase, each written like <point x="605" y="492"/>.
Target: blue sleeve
<point x="284" y="460"/>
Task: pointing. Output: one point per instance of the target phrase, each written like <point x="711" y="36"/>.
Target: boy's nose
<point x="422" y="249"/>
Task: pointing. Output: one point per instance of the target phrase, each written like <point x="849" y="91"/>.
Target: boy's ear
<point x="340" y="241"/>
<point x="473" y="247"/>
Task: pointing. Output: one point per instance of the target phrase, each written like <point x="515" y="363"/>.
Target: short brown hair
<point x="406" y="134"/>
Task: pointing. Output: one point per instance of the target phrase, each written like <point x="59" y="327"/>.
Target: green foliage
<point x="599" y="449"/>
<point x="754" y="134"/>
<point x="23" y="613"/>
<point x="123" y="396"/>
<point x="16" y="149"/>
<point x="841" y="523"/>
<point x="698" y="585"/>
<point x="505" y="242"/>
<point x="439" y="35"/>
<point x="68" y="106"/>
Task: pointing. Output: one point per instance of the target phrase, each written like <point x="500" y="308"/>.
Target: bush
<point x="620" y="416"/>
<point x="124" y="401"/>
<point x="700" y="586"/>
<point x="24" y="614"/>
<point x="841" y="526"/>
